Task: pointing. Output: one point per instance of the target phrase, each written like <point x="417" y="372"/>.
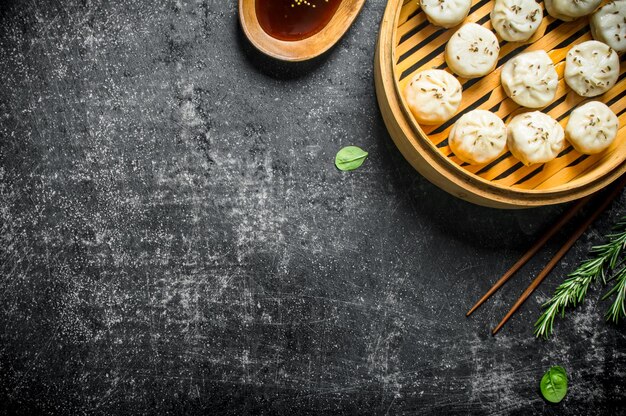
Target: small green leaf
<point x="350" y="158"/>
<point x="554" y="384"/>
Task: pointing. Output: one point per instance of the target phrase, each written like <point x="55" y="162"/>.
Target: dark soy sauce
<point x="292" y="20"/>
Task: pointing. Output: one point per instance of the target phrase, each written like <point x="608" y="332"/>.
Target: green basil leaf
<point x="554" y="384"/>
<point x="350" y="158"/>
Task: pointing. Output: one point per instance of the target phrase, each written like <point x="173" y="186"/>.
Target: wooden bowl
<point x="300" y="50"/>
<point x="408" y="44"/>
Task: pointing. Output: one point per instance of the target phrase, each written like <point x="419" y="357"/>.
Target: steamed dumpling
<point x="592" y="127"/>
<point x="608" y="25"/>
<point x="479" y="136"/>
<point x="516" y="20"/>
<point x="472" y="51"/>
<point x="433" y="96"/>
<point x="591" y="68"/>
<point x="530" y="79"/>
<point x="535" y="138"/>
<point x="570" y="9"/>
<point x="446" y="13"/>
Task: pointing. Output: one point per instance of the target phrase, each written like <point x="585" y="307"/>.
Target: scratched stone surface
<point x="175" y="238"/>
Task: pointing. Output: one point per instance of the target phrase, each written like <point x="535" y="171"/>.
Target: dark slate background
<point x="175" y="238"/>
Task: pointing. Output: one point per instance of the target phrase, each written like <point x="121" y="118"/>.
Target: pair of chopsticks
<point x="608" y="198"/>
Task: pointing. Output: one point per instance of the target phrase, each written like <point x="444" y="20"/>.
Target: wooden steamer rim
<point x="445" y="171"/>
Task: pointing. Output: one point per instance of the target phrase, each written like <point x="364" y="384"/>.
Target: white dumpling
<point x="516" y="20"/>
<point x="608" y="25"/>
<point x="446" y="13"/>
<point x="535" y="138"/>
<point x="530" y="79"/>
<point x="433" y="96"/>
<point x="591" y="68"/>
<point x="592" y="127"/>
<point x="472" y="51"/>
<point x="479" y="136"/>
<point x="570" y="9"/>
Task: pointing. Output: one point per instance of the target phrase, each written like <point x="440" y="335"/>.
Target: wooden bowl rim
<point x="458" y="170"/>
<point x="300" y="50"/>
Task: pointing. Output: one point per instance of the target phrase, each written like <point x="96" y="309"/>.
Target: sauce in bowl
<point x="292" y="20"/>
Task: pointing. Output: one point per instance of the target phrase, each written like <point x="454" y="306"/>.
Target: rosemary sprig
<point x="617" y="310"/>
<point x="573" y="290"/>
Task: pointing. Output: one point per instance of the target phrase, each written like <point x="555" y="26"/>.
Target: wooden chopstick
<point x="532" y="251"/>
<point x="559" y="255"/>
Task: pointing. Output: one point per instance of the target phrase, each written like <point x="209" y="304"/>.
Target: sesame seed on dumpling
<point x="516" y="20"/>
<point x="472" y="51"/>
<point x="446" y="13"/>
<point x="479" y="136"/>
<point x="530" y="79"/>
<point x="591" y="68"/>
<point x="433" y="96"/>
<point x="535" y="137"/>
<point x="608" y="25"/>
<point x="592" y="127"/>
<point x="568" y="10"/>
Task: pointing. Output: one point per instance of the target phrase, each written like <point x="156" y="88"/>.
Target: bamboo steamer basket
<point x="408" y="44"/>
